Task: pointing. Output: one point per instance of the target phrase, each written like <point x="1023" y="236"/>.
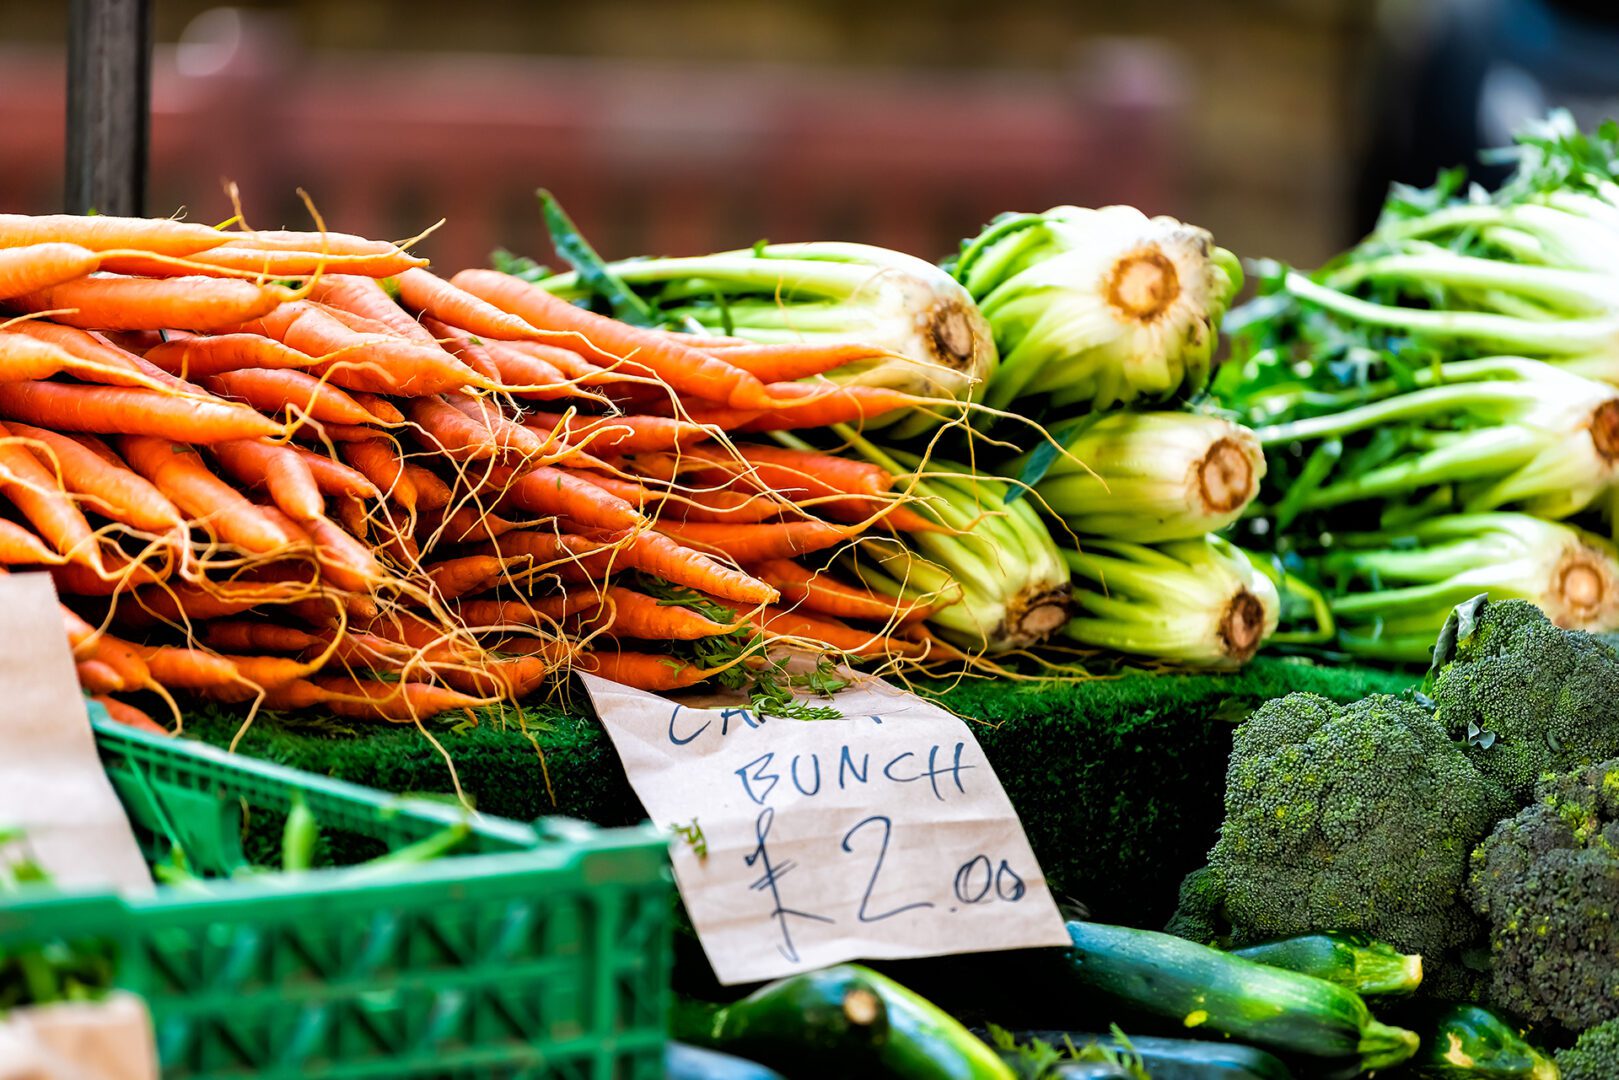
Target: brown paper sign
<point x="883" y="834"/>
<point x="52" y="785"/>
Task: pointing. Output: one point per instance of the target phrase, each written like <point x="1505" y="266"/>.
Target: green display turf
<point x="1118" y="781"/>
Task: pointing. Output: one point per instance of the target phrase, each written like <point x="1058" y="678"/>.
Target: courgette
<point x="1465" y="1042"/>
<point x="1178" y="1059"/>
<point x="682" y="1062"/>
<point x="1090" y="1070"/>
<point x="845" y="1021"/>
<point x="1208" y="990"/>
<point x="1366" y="966"/>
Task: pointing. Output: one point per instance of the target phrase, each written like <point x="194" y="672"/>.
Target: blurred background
<point x="678" y="126"/>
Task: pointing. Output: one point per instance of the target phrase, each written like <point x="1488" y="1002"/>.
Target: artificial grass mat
<point x="1118" y="781"/>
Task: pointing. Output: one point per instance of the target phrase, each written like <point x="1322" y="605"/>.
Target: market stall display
<point x="290" y="483"/>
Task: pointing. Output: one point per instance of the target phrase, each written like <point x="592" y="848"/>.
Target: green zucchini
<point x="843" y="1021"/>
<point x="1178" y="1059"/>
<point x="1368" y="967"/>
<point x="1208" y="990"/>
<point x="1090" y="1070"/>
<point x="682" y="1062"/>
<point x="1465" y="1042"/>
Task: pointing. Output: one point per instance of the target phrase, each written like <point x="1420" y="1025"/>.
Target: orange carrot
<point x="80" y="634"/>
<point x="687" y="370"/>
<point x="530" y="368"/>
<point x="123" y="658"/>
<point x="664" y="557"/>
<point x="335" y="478"/>
<point x="785" y="363"/>
<point x="356" y="361"/>
<point x="195" y="356"/>
<point x="179" y="473"/>
<point x="25" y="357"/>
<point x="818" y="591"/>
<point x="619" y="434"/>
<point x="120" y="712"/>
<point x="351" y="513"/>
<point x="273" y="391"/>
<point x="344" y="562"/>
<point x="34" y="490"/>
<point x="120" y="574"/>
<point x="466" y="525"/>
<point x="128" y="411"/>
<point x="463" y="346"/>
<point x="448" y="430"/>
<point x="799" y="474"/>
<point x="431" y="639"/>
<point x="180" y="667"/>
<point x="401" y="702"/>
<point x="19" y="547"/>
<point x="547" y="490"/>
<point x="737" y="507"/>
<point x="103" y="233"/>
<point x="236" y="259"/>
<point x="280" y="469"/>
<point x="509" y="435"/>
<point x="432" y="493"/>
<point x="364" y="297"/>
<point x="39" y="266"/>
<point x="360" y="324"/>
<point x="99" y="677"/>
<point x="512" y="678"/>
<point x="376" y="459"/>
<point x="632" y="614"/>
<point x="332" y="243"/>
<point x="380" y="407"/>
<point x="539" y="611"/>
<point x="234" y="635"/>
<point x="269" y="671"/>
<point x="468" y="574"/>
<point x="756" y="543"/>
<point x="109" y="488"/>
<point x="817" y="405"/>
<point x="185" y="600"/>
<point x="719" y="506"/>
<point x="134" y="303"/>
<point x="643" y="671"/>
<point x="845" y="638"/>
<point x="95" y="359"/>
<point x="450" y="302"/>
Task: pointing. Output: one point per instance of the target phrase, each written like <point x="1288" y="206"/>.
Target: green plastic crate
<point x="545" y="952"/>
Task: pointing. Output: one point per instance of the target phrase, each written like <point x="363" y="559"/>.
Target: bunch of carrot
<point x="302" y="471"/>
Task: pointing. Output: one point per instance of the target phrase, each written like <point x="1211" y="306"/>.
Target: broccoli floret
<point x="1529" y="698"/>
<point x="1353" y="817"/>
<point x="1594" y="1056"/>
<point x="1200" y="914"/>
<point x="1547" y="882"/>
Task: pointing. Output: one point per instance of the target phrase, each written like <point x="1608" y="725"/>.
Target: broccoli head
<point x="1547" y="883"/>
<point x="1594" y="1056"/>
<point x="1200" y="914"/>
<point x="1349" y="817"/>
<point x="1528" y="698"/>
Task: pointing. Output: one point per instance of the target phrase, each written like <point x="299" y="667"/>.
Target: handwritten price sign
<point x="805" y="843"/>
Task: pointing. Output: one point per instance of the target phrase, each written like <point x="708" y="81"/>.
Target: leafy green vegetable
<point x="1098" y="307"/>
<point x="1037" y="1059"/>
<point x="769" y="682"/>
<point x="603" y="283"/>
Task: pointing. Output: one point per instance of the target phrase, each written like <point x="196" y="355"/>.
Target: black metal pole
<point x="109" y="105"/>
